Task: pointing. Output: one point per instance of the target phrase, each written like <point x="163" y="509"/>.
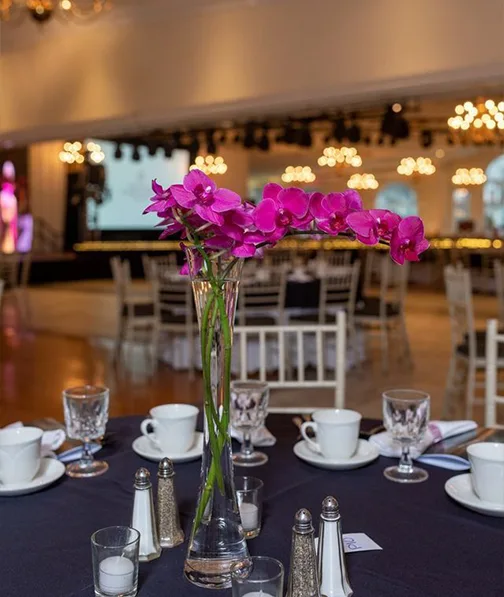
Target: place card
<point x="353" y="542"/>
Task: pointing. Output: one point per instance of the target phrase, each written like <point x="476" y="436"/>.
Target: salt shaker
<point x="303" y="575"/>
<point x="169" y="530"/>
<point x="143" y="519"/>
<point x="331" y="556"/>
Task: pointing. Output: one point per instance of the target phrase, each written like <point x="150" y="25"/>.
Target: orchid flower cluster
<point x="221" y="223"/>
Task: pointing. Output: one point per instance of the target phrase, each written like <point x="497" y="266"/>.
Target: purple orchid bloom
<point x="200" y="193"/>
<point x="162" y="200"/>
<point x="331" y="211"/>
<point x="408" y="240"/>
<point x="281" y="209"/>
<point x="373" y="225"/>
<point x="191" y="266"/>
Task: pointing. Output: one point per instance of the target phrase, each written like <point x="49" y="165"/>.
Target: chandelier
<point x="210" y="164"/>
<point x="469" y="176"/>
<point x="481" y="122"/>
<point x="340" y="156"/>
<point x="43" y="10"/>
<point x="298" y="174"/>
<point x="411" y="166"/>
<point x="362" y="182"/>
<point x="75" y="153"/>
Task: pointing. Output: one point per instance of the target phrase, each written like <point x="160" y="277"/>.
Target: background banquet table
<point x="432" y="547"/>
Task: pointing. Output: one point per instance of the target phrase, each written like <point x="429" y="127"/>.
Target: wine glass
<point x="406" y="416"/>
<point x="86" y="415"/>
<point x="249" y="408"/>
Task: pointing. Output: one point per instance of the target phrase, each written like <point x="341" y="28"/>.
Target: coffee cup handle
<point x="310" y="425"/>
<point x="144" y="428"/>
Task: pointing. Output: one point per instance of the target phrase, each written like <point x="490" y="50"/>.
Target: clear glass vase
<point x="217" y="538"/>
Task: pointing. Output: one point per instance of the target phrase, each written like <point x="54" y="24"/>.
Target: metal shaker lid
<point x="330" y="508"/>
<point x="142" y="479"/>
<point x="165" y="469"/>
<point x="303" y="521"/>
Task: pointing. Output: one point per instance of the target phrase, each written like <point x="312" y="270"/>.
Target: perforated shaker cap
<point x="142" y="479"/>
<point x="165" y="469"/>
<point x="303" y="521"/>
<point x="330" y="508"/>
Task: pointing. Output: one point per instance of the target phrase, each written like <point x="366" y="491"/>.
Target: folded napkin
<point x="51" y="440"/>
<point x="437" y="431"/>
<point x="260" y="436"/>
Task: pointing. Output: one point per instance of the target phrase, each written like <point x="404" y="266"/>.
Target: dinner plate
<point x="50" y="471"/>
<point x="366" y="453"/>
<point x="144" y="447"/>
<point x="460" y="489"/>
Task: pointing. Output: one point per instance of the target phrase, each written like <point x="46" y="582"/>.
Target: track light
<point x="210" y="141"/>
<point x="394" y="124"/>
<point x="152" y="148"/>
<point x="264" y="143"/>
<point x="340" y="129"/>
<point x="354" y="130"/>
<point x="237" y="138"/>
<point x="135" y="156"/>
<point x="305" y="135"/>
<point x="194" y="144"/>
<point x="426" y="138"/>
<point x="249" y="139"/>
<point x="223" y="137"/>
<point x="168" y="150"/>
<point x="118" y="151"/>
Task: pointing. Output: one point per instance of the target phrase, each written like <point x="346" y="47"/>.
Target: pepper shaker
<point x="143" y="519"/>
<point x="169" y="531"/>
<point x="331" y="556"/>
<point x="303" y="575"/>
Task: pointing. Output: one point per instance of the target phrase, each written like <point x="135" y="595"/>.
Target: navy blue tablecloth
<point x="432" y="547"/>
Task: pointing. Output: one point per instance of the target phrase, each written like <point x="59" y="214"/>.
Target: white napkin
<point x="260" y="436"/>
<point x="51" y="440"/>
<point x="436" y="432"/>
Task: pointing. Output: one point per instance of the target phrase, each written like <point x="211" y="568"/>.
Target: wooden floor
<point x="69" y="342"/>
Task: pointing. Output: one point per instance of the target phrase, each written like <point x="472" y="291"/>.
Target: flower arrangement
<point x="219" y="229"/>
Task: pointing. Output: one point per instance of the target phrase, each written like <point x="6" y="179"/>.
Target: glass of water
<point x="406" y="416"/>
<point x="86" y="416"/>
<point x="249" y="408"/>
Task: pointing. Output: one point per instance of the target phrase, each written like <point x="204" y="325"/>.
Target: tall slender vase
<point x="217" y="538"/>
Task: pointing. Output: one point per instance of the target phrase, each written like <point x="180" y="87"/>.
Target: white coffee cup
<point x="173" y="427"/>
<point x="487" y="471"/>
<point x="19" y="454"/>
<point x="337" y="432"/>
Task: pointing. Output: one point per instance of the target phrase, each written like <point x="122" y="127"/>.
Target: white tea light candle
<point x="258" y="594"/>
<point x="116" y="575"/>
<point x="249" y="516"/>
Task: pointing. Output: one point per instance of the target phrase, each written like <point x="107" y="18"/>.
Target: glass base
<point x="209" y="573"/>
<point x="252" y="459"/>
<point x="412" y="475"/>
<point x="92" y="468"/>
<point x="132" y="593"/>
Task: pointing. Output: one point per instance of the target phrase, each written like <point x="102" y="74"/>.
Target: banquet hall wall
<point x="218" y="59"/>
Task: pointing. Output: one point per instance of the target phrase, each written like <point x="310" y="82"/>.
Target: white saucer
<point x="460" y="489"/>
<point x="366" y="453"/>
<point x="50" y="471"/>
<point x="144" y="447"/>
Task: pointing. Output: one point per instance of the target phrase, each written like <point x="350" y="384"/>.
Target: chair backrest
<point x="339" y="290"/>
<point x="335" y="258"/>
<point x="460" y="307"/>
<point x="262" y="296"/>
<point x="393" y="283"/>
<point x="9" y="269"/>
<point x="292" y="338"/>
<point x="171" y="294"/>
<point x="494" y="341"/>
<point x="499" y="287"/>
<point x="279" y="259"/>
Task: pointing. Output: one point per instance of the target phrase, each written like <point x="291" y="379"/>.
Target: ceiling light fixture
<point x="298" y="174"/>
<point x="210" y="164"/>
<point x="362" y="182"/>
<point x="42" y="11"/>
<point x="340" y="157"/>
<point x="411" y="166"/>
<point x="480" y="122"/>
<point x="469" y="176"/>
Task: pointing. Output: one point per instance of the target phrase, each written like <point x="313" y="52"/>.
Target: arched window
<point x="493" y="195"/>
<point x="461" y="208"/>
<point x="399" y="198"/>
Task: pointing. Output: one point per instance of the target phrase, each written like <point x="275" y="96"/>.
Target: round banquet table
<point x="432" y="547"/>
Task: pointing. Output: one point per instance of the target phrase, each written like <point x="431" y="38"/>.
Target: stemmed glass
<point x="249" y="408"/>
<point x="86" y="415"/>
<point x="406" y="416"/>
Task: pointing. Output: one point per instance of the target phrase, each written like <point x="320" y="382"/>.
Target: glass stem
<point x="87" y="456"/>
<point x="247" y="447"/>
<point x="406" y="464"/>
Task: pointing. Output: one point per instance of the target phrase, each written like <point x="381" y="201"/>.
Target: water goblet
<point x="406" y="416"/>
<point x="86" y="415"/>
<point x="249" y="408"/>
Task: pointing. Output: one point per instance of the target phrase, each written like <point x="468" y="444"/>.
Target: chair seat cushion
<point x="140" y="310"/>
<point x="370" y="307"/>
<point x="463" y="349"/>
